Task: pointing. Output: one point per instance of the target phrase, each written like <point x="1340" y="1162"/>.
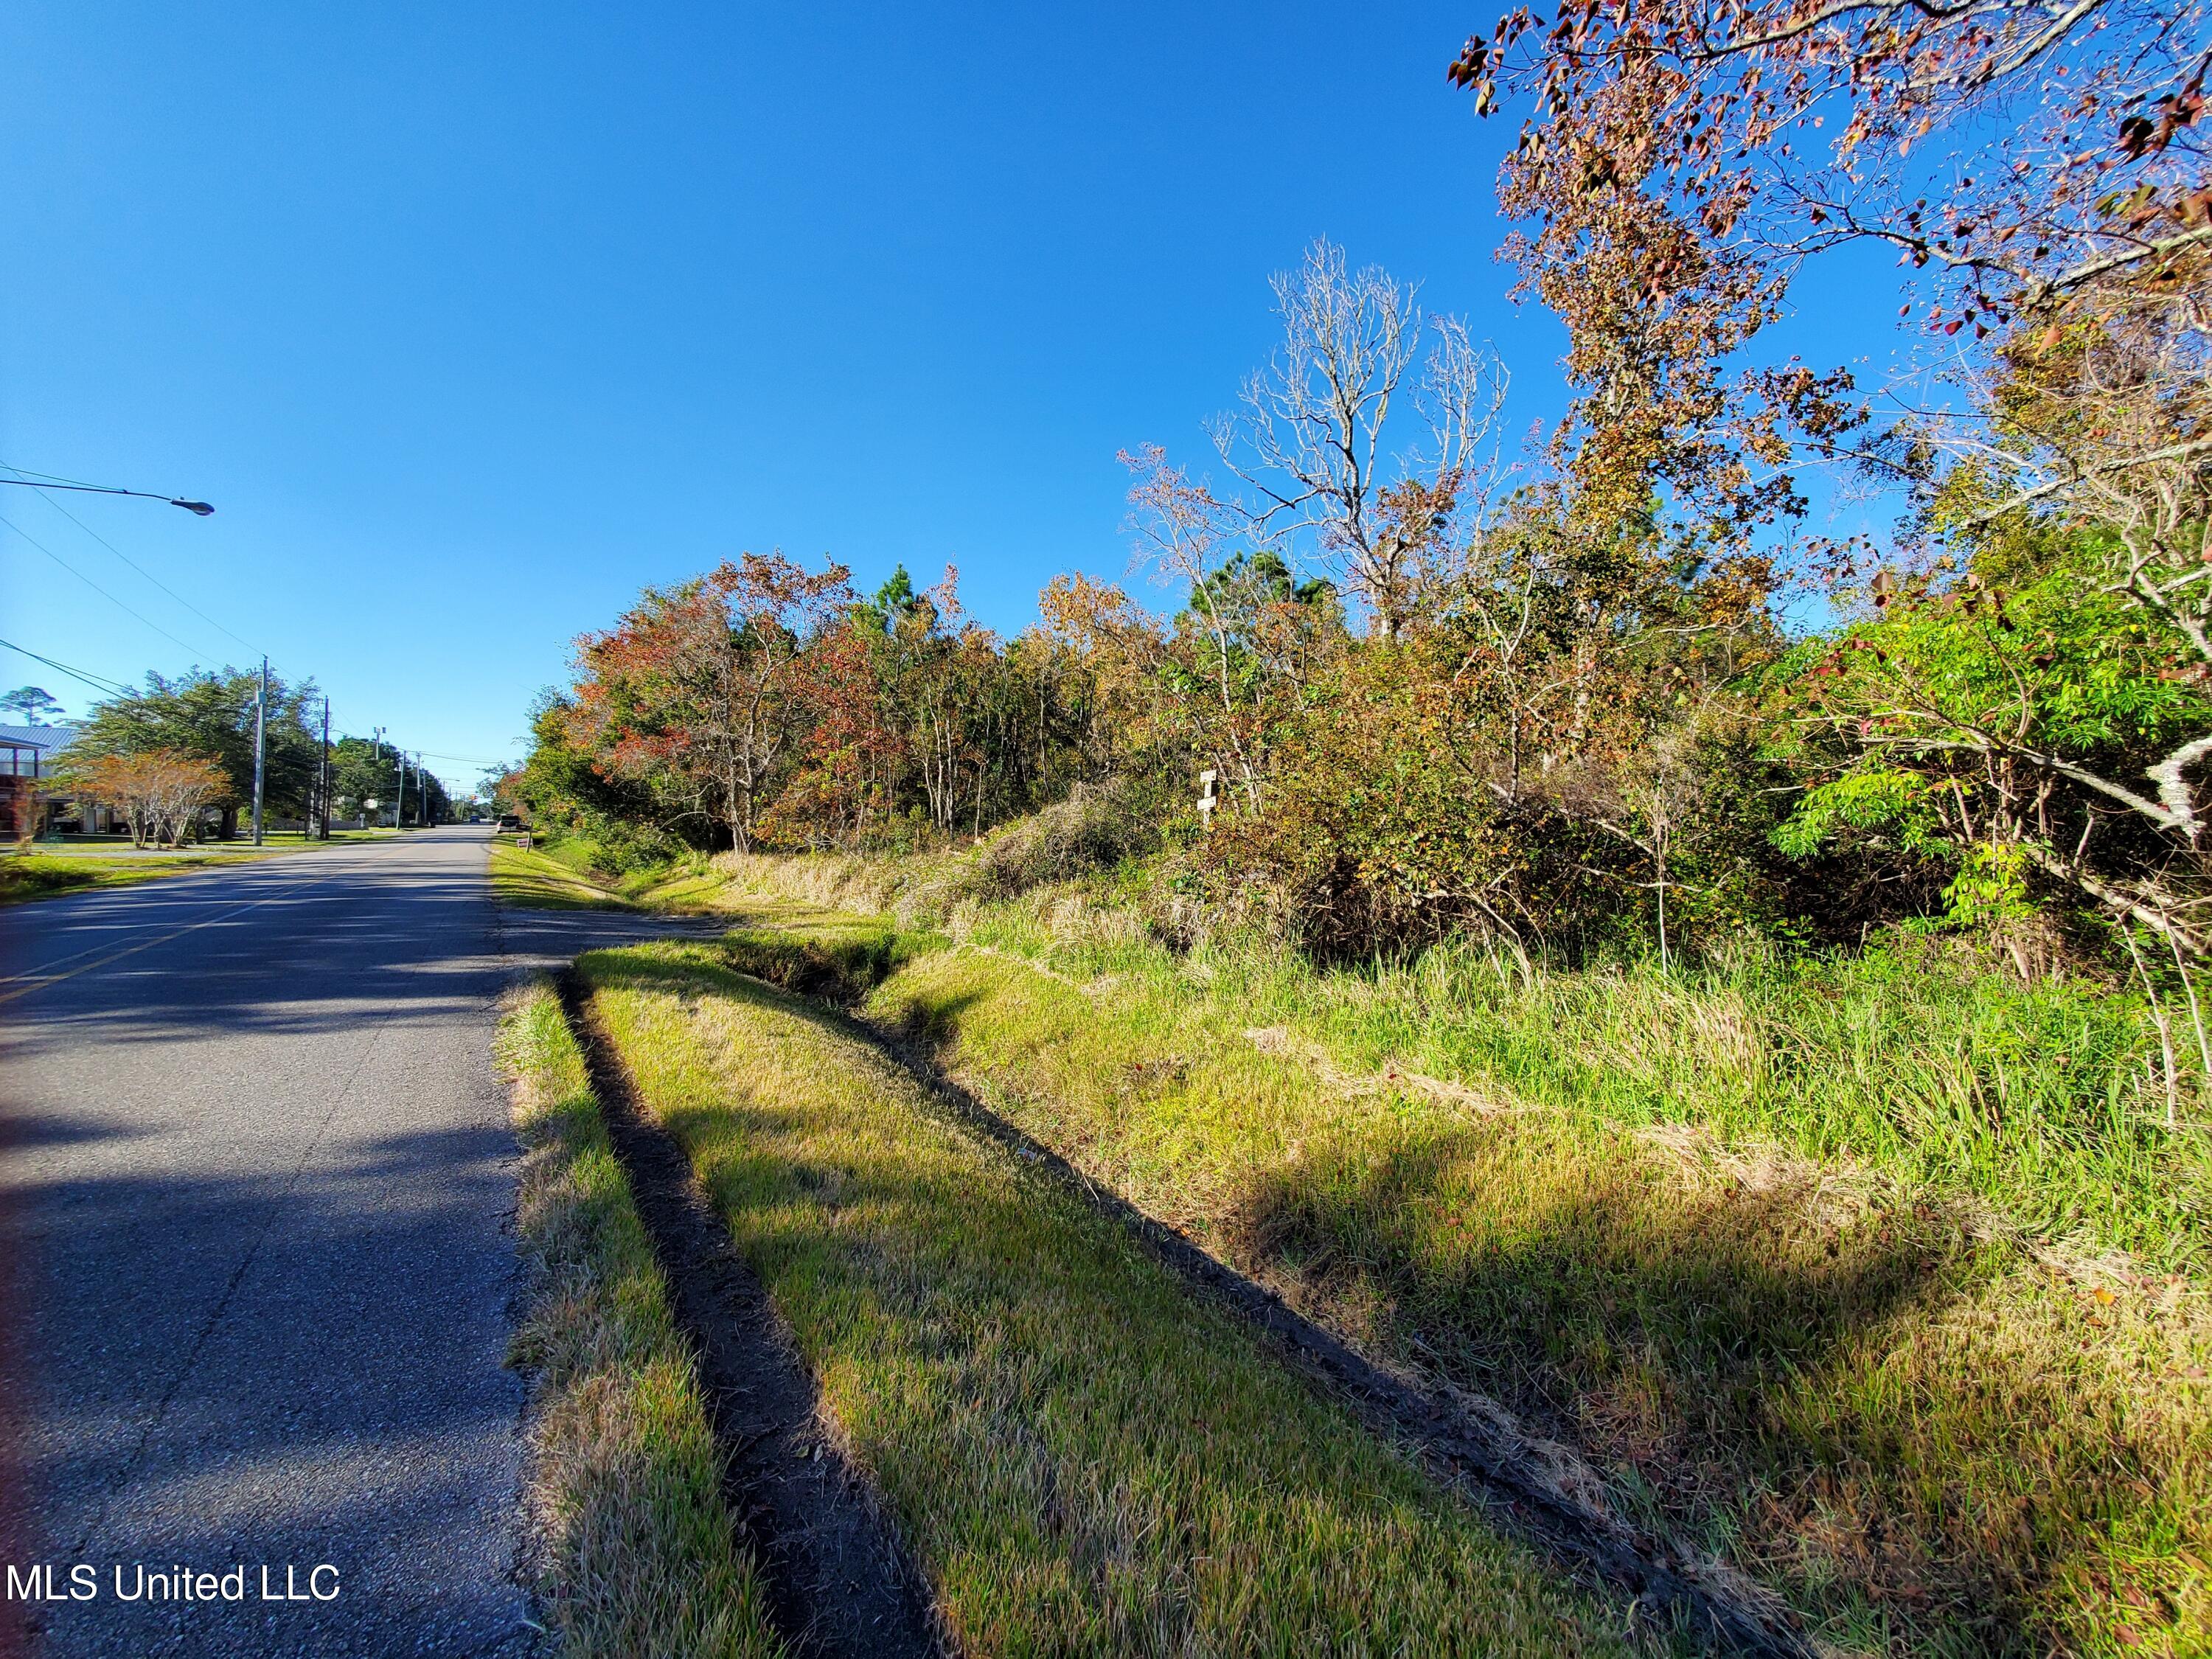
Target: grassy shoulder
<point x="42" y="874"/>
<point x="1082" y="1459"/>
<point x="559" y="873"/>
<point x="1821" y="1268"/>
<point x="87" y="863"/>
<point x="535" y="880"/>
<point x="640" y="1557"/>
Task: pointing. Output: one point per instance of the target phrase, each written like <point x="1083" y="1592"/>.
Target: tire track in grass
<point x="1091" y="1459"/>
<point x="1534" y="1488"/>
<point x="839" y="1582"/>
<point x="631" y="1549"/>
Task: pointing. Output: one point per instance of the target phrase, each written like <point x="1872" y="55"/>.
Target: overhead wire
<point x="126" y="558"/>
<point x="211" y="655"/>
<point x="51" y="477"/>
<point x="98" y="682"/>
<point x="112" y="688"/>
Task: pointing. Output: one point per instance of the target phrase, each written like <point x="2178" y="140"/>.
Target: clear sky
<point x="471" y="320"/>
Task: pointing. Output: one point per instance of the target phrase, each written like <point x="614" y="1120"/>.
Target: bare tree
<point x="1186" y="533"/>
<point x="1308" y="440"/>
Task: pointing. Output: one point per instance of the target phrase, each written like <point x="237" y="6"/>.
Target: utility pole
<point x="399" y="806"/>
<point x="260" y="727"/>
<point x="324" y="794"/>
<point x="376" y="762"/>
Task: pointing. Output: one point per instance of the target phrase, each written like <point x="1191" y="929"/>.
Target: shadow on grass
<point x="1858" y="1397"/>
<point x="1834" y="1398"/>
<point x="532" y="882"/>
<point x="841" y="959"/>
<point x="1089" y="1460"/>
<point x="1512" y="1479"/>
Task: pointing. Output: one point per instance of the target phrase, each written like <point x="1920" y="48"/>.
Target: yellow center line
<point x="30" y="982"/>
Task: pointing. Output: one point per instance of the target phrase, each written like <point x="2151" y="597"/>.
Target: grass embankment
<point x="1082" y="1458"/>
<point x="1878" y="1275"/>
<point x="559" y="874"/>
<point x="640" y="1557"/>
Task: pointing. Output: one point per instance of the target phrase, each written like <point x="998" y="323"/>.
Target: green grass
<point x="1084" y="1459"/>
<point x="624" y="1473"/>
<point x="46" y="875"/>
<point x="1905" y="1061"/>
<point x="1818" y="1263"/>
<point x="558" y="873"/>
<point x="824" y="952"/>
<point x="536" y="880"/>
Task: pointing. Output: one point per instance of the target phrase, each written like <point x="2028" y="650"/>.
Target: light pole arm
<point x="200" y="507"/>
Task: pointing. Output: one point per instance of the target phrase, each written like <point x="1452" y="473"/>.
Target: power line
<point x="110" y="687"/>
<point x="127" y="559"/>
<point x="102" y="592"/>
<point x="51" y="477"/>
<point x="56" y="481"/>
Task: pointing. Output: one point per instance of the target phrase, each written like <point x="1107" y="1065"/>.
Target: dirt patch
<point x="839" y="1582"/>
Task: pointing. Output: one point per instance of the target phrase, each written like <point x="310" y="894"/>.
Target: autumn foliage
<point x="160" y="793"/>
<point x="700" y="693"/>
<point x="1606" y="699"/>
<point x="1547" y="695"/>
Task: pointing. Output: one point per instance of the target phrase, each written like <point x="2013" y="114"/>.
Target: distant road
<point x="254" y="1172"/>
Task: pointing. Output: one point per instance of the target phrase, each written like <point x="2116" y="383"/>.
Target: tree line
<point x="180" y="749"/>
<point x="1547" y="690"/>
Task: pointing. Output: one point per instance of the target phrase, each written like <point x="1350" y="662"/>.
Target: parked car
<point x="509" y="821"/>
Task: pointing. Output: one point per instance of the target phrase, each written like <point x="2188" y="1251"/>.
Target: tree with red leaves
<point x="700" y="690"/>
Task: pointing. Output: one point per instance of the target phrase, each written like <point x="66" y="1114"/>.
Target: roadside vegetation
<point x="174" y="762"/>
<point x="1770" y="1055"/>
<point x="638" y="1551"/>
<point x="1846" y="1270"/>
<point x="1082" y="1458"/>
<point x="564" y="873"/>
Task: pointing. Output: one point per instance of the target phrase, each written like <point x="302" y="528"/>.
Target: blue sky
<point x="473" y="319"/>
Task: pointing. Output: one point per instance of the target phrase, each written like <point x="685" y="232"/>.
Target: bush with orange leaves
<point x="160" y="793"/>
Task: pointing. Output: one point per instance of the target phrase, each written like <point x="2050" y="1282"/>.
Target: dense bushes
<point x="1567" y="718"/>
<point x="1095" y="827"/>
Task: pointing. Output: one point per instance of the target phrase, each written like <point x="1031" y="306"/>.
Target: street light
<point x="201" y="509"/>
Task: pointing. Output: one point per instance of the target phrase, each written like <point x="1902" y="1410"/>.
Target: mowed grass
<point x="1084" y="1458"/>
<point x="558" y="875"/>
<point x="535" y="880"/>
<point x="1938" y="1421"/>
<point x="640" y="1557"/>
<point x="46" y="875"/>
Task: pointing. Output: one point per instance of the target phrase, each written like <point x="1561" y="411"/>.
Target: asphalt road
<point x="255" y="1179"/>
